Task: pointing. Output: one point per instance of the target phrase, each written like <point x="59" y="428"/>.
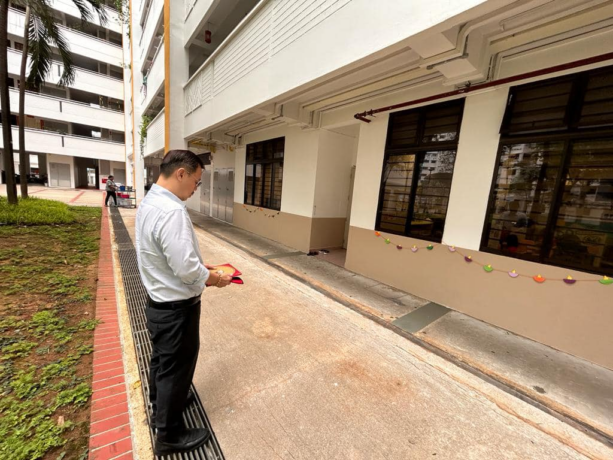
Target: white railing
<point x="80" y="43"/>
<point x="153" y="13"/>
<point x="55" y="108"/>
<point x="155" y="134"/>
<point x="267" y="30"/>
<point x="85" y="80"/>
<point x="155" y="77"/>
<point x="62" y="144"/>
<point x="67" y="6"/>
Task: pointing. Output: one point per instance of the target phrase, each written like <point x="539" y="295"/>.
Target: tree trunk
<point x="24" y="158"/>
<point x="9" y="166"/>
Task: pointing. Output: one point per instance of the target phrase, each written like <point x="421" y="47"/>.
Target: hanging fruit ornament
<point x="538" y="279"/>
<point x="452" y="248"/>
<point x="468" y="258"/>
<point x="414" y="248"/>
<point x="387" y="241"/>
<point x="606" y="280"/>
<point x="399" y="247"/>
<point x="569" y="280"/>
<point x="429" y="247"/>
<point x="513" y="274"/>
<point x="488" y="268"/>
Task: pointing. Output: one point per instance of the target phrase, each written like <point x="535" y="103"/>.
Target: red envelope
<point x="230" y="270"/>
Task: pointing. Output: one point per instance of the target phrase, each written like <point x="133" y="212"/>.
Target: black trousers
<point x="174" y="331"/>
<point x="108" y="195"/>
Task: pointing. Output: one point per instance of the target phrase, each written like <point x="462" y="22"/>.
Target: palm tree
<point x="41" y="32"/>
<point x="9" y="166"/>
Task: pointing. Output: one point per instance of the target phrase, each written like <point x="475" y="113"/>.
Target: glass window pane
<point x="539" y="106"/>
<point x="583" y="231"/>
<point x="257" y="200"/>
<point x="249" y="184"/>
<point x="397" y="179"/>
<point x="597" y="109"/>
<point x="523" y="195"/>
<point x="442" y="124"/>
<point x="267" y="186"/>
<point x="432" y="195"/>
<point x="277" y="186"/>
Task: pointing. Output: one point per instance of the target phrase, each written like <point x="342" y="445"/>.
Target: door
<point x="59" y="175"/>
<point x="215" y="207"/>
<point x="221" y="194"/>
<point x="205" y="192"/>
<point x="230" y="196"/>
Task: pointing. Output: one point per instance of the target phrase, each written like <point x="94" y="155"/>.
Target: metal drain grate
<point x="136" y="298"/>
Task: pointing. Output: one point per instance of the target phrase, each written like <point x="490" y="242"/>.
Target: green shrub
<point x="34" y="211"/>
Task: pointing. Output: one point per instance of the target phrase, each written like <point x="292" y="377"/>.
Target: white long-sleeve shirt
<point x="169" y="259"/>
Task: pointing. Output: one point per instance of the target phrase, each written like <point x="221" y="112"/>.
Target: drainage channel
<point x="136" y="299"/>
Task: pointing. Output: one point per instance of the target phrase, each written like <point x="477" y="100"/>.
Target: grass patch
<point x="48" y="269"/>
<point x="34" y="211"/>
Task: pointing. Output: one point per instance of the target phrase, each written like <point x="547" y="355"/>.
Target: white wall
<point x="371" y="146"/>
<point x="62" y="159"/>
<point x="240" y="161"/>
<point x="340" y="31"/>
<point x="474" y="168"/>
<point x="179" y="72"/>
<point x="334" y="161"/>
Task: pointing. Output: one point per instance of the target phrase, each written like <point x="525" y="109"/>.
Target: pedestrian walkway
<point x="578" y="391"/>
<point x="76" y="197"/>
<point x="288" y="372"/>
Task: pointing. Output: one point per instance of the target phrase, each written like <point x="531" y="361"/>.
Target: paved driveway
<point x="77" y="197"/>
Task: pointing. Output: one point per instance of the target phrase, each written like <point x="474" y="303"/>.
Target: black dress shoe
<point x="191" y="397"/>
<point x="184" y="441"/>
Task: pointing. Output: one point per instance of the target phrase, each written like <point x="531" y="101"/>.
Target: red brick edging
<point x="110" y="432"/>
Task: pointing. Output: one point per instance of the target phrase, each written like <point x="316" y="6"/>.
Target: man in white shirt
<point x="174" y="275"/>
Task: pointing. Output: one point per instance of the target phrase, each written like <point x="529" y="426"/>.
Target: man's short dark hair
<point x="176" y="159"/>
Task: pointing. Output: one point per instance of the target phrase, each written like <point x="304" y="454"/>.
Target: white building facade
<point x="75" y="136"/>
<point x="481" y="128"/>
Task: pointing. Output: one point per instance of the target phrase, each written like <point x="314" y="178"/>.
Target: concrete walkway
<point x="76" y="197"/>
<point x="287" y="372"/>
<point x="578" y="390"/>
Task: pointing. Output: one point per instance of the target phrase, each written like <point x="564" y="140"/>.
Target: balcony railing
<point x="85" y="80"/>
<point x="155" y="135"/>
<point x="80" y="43"/>
<point x="153" y="14"/>
<point x="155" y="78"/>
<point x="63" y="144"/>
<point x="268" y="29"/>
<point x="60" y="109"/>
<point x="67" y="6"/>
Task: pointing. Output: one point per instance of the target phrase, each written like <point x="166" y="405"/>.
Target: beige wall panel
<point x="577" y="319"/>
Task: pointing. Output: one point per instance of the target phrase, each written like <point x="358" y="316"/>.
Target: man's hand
<point x="224" y="281"/>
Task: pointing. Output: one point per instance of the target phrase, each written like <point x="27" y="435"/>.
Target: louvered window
<point x="419" y="159"/>
<point x="552" y="198"/>
<point x="264" y="173"/>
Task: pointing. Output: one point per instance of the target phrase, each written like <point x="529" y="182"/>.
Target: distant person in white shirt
<point x="111" y="188"/>
<point x="174" y="275"/>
